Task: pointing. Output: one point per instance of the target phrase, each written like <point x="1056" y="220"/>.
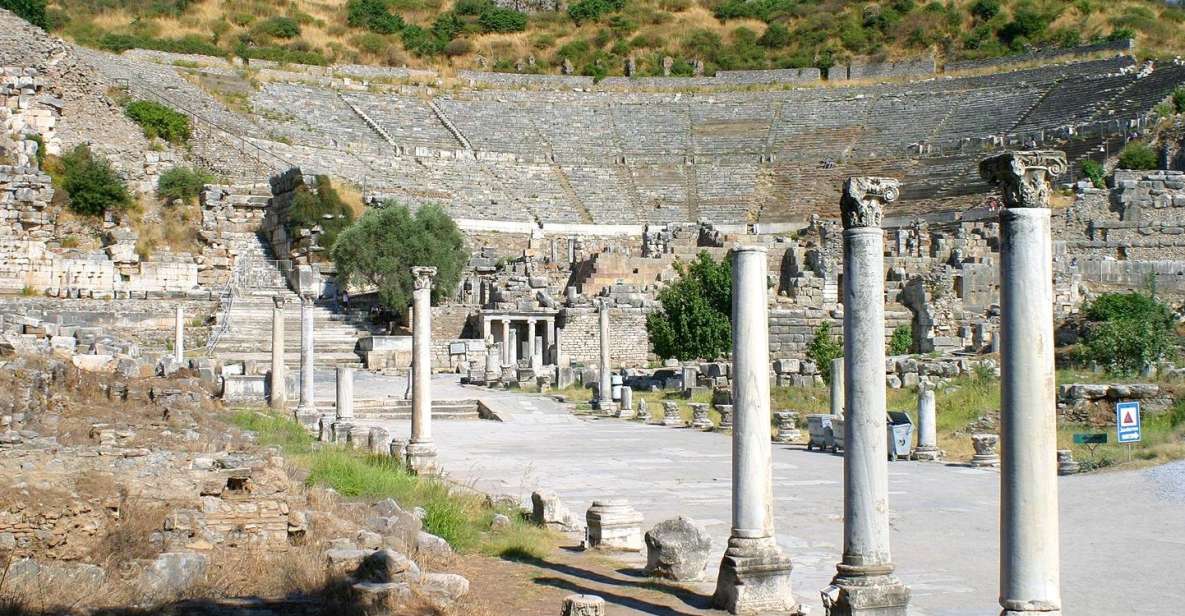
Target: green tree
<point x="1127" y="332"/>
<point x="157" y="120"/>
<point x="91" y="183"/>
<point x="901" y="341"/>
<point x="184" y="183"/>
<point x="381" y="248"/>
<point x="824" y="348"/>
<point x="32" y="11"/>
<point x="695" y="318"/>
<point x="1138" y="156"/>
<point x="1094" y="170"/>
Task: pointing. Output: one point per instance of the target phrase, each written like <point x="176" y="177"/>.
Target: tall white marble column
<point x="1029" y="563"/>
<point x="279" y="385"/>
<point x="535" y="360"/>
<point x="927" y="448"/>
<point x="754" y="573"/>
<point x="604" y="382"/>
<point x="306" y="409"/>
<point x="837" y="387"/>
<point x="179" y="336"/>
<point x="507" y="351"/>
<point x="864" y="583"/>
<point x="421" y="451"/>
<point x="345" y="393"/>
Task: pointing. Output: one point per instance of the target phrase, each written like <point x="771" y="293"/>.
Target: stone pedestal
<point x="1030" y="571"/>
<point x="671" y="416"/>
<point x="421" y="451"/>
<point x="583" y="605"/>
<point x="864" y="583"/>
<point x="787" y="424"/>
<point x="341" y="431"/>
<point x="306" y="409"/>
<point x="754" y="573"/>
<point x="543" y="383"/>
<point x="643" y="411"/>
<point x="627" y="403"/>
<point x="725" y="411"/>
<point x="278" y="394"/>
<point x="700" y="419"/>
<point x="613" y="525"/>
<point x="1065" y="462"/>
<point x="927" y="449"/>
<point x="378" y="441"/>
<point x="986" y="450"/>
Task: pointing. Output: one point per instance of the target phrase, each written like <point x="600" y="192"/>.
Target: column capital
<point x="278" y="300"/>
<point x="423" y="276"/>
<point x="1024" y="177"/>
<point x="864" y="200"/>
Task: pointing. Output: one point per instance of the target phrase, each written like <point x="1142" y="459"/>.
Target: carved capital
<point x="278" y="300"/>
<point x="1024" y="177"/>
<point x="864" y="200"/>
<point x="423" y="277"/>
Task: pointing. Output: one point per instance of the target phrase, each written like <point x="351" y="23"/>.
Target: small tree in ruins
<point x="380" y="249"/>
<point x="695" y="320"/>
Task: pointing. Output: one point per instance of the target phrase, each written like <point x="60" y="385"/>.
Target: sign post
<point x="1127" y="424"/>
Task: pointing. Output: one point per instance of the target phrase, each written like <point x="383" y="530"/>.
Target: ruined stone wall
<point x="580" y="339"/>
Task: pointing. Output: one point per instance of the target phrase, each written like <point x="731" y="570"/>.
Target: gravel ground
<point x="1169" y="480"/>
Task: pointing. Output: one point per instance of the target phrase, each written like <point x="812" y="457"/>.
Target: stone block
<point x="678" y="549"/>
<point x="613" y="525"/>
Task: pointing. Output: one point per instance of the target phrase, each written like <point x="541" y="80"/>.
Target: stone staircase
<point x="246" y="326"/>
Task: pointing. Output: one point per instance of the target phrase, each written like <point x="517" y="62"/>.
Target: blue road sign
<point x="1127" y="421"/>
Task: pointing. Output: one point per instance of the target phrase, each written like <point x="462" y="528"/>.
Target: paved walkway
<point x="1123" y="534"/>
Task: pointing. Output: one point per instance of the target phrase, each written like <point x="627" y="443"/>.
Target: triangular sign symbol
<point x="1127" y="418"/>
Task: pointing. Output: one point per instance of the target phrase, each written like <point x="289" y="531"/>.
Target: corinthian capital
<point x="864" y="200"/>
<point x="423" y="277"/>
<point x="1024" y="177"/>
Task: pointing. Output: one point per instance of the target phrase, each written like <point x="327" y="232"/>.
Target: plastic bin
<point x="900" y="434"/>
<point x="819" y="426"/>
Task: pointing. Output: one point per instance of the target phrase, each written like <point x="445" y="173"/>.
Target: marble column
<point x="864" y="583"/>
<point x="1029" y="565"/>
<point x="306" y="409"/>
<point x="179" y="336"/>
<point x="279" y="385"/>
<point x="754" y="573"/>
<point x="604" y="380"/>
<point x="345" y="393"/>
<point x="837" y="398"/>
<point x="552" y="348"/>
<point x="535" y="362"/>
<point x="927" y="448"/>
<point x="506" y="348"/>
<point x="421" y="452"/>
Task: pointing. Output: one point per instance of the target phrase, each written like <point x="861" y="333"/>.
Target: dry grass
<point x="126" y="539"/>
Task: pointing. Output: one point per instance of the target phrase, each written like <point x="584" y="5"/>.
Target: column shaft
<point x="179" y="335"/>
<point x="307" y="401"/>
<point x="531" y="342"/>
<point x="752" y="499"/>
<point x="506" y="350"/>
<point x="605" y="391"/>
<point x="421" y="418"/>
<point x="279" y="386"/>
<point x="837" y="395"/>
<point x="345" y="393"/>
<point x="927" y="423"/>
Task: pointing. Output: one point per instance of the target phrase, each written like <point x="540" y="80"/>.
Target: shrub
<point x="1127" y="332"/>
<point x="1138" y="156"/>
<point x="283" y="55"/>
<point x="1095" y="172"/>
<point x="1179" y="99"/>
<point x="591" y="10"/>
<point x="184" y="183"/>
<point x="695" y="317"/>
<point x="421" y="42"/>
<point x="32" y="11"/>
<point x="157" y="120"/>
<point x="373" y="15"/>
<point x="498" y="19"/>
<point x="323" y="208"/>
<point x="985" y="9"/>
<point x="458" y="47"/>
<point x="381" y="248"/>
<point x="1028" y="22"/>
<point x="187" y="44"/>
<point x="91" y="183"/>
<point x="824" y="348"/>
<point x="901" y="341"/>
<point x="279" y="27"/>
<point x="471" y="7"/>
<point x="775" y="36"/>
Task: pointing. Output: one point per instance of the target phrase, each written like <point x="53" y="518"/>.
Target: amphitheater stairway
<point x="246" y="327"/>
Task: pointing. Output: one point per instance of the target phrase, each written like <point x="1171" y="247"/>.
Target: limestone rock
<point x="171" y="574"/>
<point x="442" y="590"/>
<point x="384" y="566"/>
<point x="549" y="512"/>
<point x="678" y="549"/>
<point x="431" y="544"/>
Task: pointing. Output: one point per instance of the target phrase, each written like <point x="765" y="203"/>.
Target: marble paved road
<point x="1123" y="538"/>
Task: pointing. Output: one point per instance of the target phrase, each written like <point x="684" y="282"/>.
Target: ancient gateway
<point x="939" y="232"/>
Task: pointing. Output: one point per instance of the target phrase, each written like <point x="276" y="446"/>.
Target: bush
<point x="458" y="47"/>
<point x="591" y="10"/>
<point x="498" y="19"/>
<point x="985" y="9"/>
<point x="187" y="44"/>
<point x="32" y="11"/>
<point x="157" y="120"/>
<point x="1138" y="156"/>
<point x="824" y="348"/>
<point x="283" y="55"/>
<point x="323" y="208"/>
<point x="184" y="183"/>
<point x="1179" y="99"/>
<point x="422" y="42"/>
<point x="279" y="27"/>
<point x="373" y="15"/>
<point x="381" y="248"/>
<point x="775" y="36"/>
<point x="92" y="184"/>
<point x="472" y="7"/>
<point x="1095" y="171"/>
<point x="901" y="341"/>
<point x="695" y="320"/>
<point x="1127" y="332"/>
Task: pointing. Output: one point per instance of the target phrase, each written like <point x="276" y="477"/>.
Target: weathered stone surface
<point x="385" y="566"/>
<point x="548" y="511"/>
<point x="613" y="525"/>
<point x="583" y="605"/>
<point x="678" y="549"/>
<point x="172" y="573"/>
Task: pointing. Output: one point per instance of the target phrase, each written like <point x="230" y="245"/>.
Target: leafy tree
<point x="1127" y="332"/>
<point x="158" y="120"/>
<point x="775" y="36"/>
<point x="901" y="341"/>
<point x="184" y="183"/>
<point x="1138" y="156"/>
<point x="695" y="318"/>
<point x="373" y="15"/>
<point x="985" y="9"/>
<point x="32" y="11"/>
<point x="91" y="183"/>
<point x="824" y="348"/>
<point x="1094" y="170"/>
<point x="381" y="248"/>
<point x="323" y="207"/>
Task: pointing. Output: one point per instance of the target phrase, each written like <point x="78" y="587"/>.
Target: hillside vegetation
<point x="597" y="36"/>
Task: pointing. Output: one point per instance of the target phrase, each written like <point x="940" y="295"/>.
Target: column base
<point x="308" y="416"/>
<point x="1030" y="613"/>
<point x="421" y="459"/>
<point x="854" y="594"/>
<point x="985" y="461"/>
<point x="607" y="409"/>
<point x="624" y="413"/>
<point x="754" y="578"/>
<point x="674" y="421"/>
<point x="927" y="454"/>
